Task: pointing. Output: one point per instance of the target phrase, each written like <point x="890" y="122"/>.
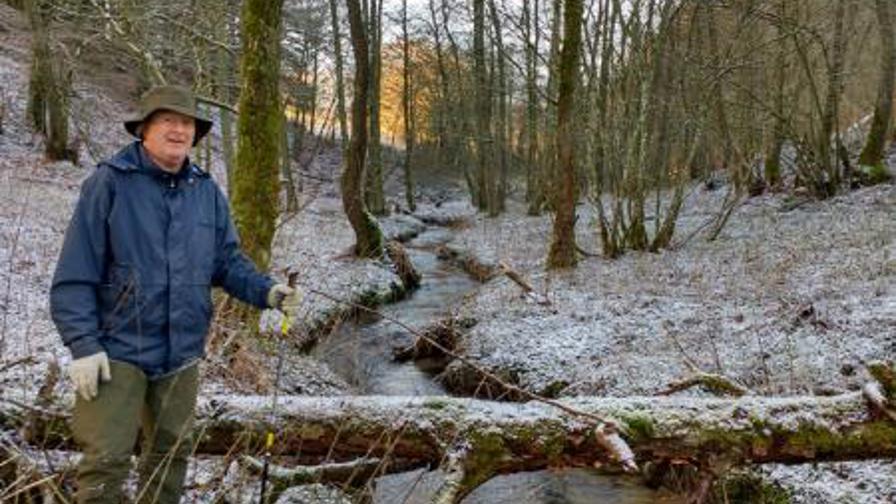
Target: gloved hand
<point x="86" y="372"/>
<point x="285" y="298"/>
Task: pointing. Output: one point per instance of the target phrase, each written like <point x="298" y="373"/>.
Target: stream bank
<point x="363" y="351"/>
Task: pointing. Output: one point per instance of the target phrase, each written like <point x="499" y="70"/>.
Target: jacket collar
<point x="133" y="159"/>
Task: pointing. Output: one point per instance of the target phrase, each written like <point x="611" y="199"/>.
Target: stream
<point x="361" y="352"/>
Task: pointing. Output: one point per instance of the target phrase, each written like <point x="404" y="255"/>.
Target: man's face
<point x="168" y="137"/>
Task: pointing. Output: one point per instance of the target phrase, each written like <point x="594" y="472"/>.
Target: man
<point x="149" y="237"/>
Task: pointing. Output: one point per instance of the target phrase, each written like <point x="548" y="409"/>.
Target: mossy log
<point x="477" y="439"/>
<point x="531" y="435"/>
<point x="480" y="269"/>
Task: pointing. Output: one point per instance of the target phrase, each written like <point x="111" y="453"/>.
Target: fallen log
<point x="523" y="436"/>
<point x="528" y="290"/>
<point x="479" y="439"/>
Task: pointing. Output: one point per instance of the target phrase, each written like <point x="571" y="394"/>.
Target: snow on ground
<point x="840" y="482"/>
<point x="785" y="302"/>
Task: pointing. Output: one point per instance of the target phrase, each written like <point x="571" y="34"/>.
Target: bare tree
<point x="498" y="194"/>
<point x="374" y="170"/>
<point x="368" y="237"/>
<point x="407" y="103"/>
<point x="49" y="85"/>
<point x="881" y="123"/>
<point x="534" y="175"/>
<point x="563" y="251"/>
<point x="340" y="85"/>
<point x="483" y="108"/>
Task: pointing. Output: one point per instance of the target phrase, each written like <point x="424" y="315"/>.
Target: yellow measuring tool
<point x="269" y="439"/>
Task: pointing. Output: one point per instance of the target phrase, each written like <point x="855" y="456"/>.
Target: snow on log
<point x="523" y="436"/>
<point x="475" y="439"/>
<point x="532" y="434"/>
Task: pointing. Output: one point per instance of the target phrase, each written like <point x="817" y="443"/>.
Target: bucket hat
<point x="174" y="98"/>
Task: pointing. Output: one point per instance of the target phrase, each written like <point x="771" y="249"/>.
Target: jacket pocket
<point x="117" y="296"/>
<point x="202" y="252"/>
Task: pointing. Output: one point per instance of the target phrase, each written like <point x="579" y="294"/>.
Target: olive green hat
<point x="175" y="98"/>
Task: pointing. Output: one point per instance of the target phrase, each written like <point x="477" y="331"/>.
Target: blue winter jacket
<point x="141" y="253"/>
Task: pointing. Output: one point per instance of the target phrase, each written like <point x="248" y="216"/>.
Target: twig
<point x="217" y="103"/>
<point x="687" y="358"/>
<point x="24" y="360"/>
<point x="715" y="383"/>
<point x="48" y="412"/>
<point x="586" y="253"/>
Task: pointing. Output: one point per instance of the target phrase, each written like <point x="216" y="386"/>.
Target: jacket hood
<point x="133" y="159"/>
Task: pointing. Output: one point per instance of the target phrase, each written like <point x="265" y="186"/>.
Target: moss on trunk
<point x="255" y="182"/>
<point x="562" y="253"/>
<point x="368" y="237"/>
<point x="872" y="154"/>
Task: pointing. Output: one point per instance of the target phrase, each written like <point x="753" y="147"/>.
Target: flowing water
<point x="362" y="353"/>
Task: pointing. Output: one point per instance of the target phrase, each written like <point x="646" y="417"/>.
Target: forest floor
<point x="791" y="298"/>
<point x="785" y="301"/>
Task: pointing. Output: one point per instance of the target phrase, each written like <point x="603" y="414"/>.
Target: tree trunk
<point x="563" y="247"/>
<point x="374" y="174"/>
<point x="255" y="182"/>
<point x="461" y="114"/>
<point x="484" y="145"/>
<point x="312" y="123"/>
<point x="773" y="158"/>
<point x="224" y="72"/>
<point x="487" y="438"/>
<point x="407" y="102"/>
<point x="534" y="175"/>
<point x="872" y="154"/>
<point x="41" y="79"/>
<point x="368" y="237"/>
<point x="286" y="177"/>
<point x="634" y="178"/>
<point x="549" y="126"/>
<point x="828" y="180"/>
<point x="57" y="147"/>
<point x="440" y="120"/>
<point x="49" y="85"/>
<point x="340" y="85"/>
<point x="502" y="140"/>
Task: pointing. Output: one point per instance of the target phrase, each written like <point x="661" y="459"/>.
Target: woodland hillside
<point x="550" y="251"/>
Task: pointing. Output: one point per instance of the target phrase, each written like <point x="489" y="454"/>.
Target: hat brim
<point x="203" y="125"/>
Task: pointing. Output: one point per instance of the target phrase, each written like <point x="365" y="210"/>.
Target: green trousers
<point x="106" y="429"/>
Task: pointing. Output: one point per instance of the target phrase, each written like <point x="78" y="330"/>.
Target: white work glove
<point x="86" y="372"/>
<point x="285" y="298"/>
